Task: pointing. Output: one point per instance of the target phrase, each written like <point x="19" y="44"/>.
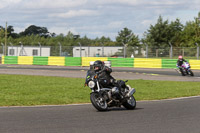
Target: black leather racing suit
<point x="180" y="62"/>
<point x="105" y="79"/>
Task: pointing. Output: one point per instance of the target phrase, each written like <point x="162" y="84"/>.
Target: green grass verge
<point x="18" y="90"/>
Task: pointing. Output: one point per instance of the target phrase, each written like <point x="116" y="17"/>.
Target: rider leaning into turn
<point x="180" y="61"/>
<point x="104" y="73"/>
<point x="105" y="78"/>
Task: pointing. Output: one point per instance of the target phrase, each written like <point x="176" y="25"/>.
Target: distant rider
<point x="180" y="61"/>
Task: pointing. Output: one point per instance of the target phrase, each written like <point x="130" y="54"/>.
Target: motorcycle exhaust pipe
<point x="131" y="92"/>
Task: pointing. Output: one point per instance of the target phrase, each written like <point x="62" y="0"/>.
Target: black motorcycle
<point x="104" y="97"/>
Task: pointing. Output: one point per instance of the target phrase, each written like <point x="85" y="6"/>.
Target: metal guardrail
<point x="85" y="61"/>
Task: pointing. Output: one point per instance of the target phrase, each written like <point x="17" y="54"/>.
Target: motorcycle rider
<point x="106" y="79"/>
<point x="180" y="61"/>
<point x="104" y="73"/>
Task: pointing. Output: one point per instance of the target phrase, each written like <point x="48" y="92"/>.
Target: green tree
<point x="191" y="32"/>
<point x="2" y="35"/>
<point x="35" y="30"/>
<point x="175" y="34"/>
<point x="126" y="36"/>
<point x="105" y="41"/>
<point x="69" y="39"/>
<point x="188" y="35"/>
<point x="85" y="41"/>
<point x="128" y="39"/>
<point x="197" y="29"/>
<point x="10" y="32"/>
<point x="2" y="32"/>
<point x="159" y="34"/>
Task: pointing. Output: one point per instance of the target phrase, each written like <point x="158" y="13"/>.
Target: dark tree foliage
<point x="35" y="30"/>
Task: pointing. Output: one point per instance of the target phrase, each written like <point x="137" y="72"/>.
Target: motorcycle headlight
<point x="91" y="84"/>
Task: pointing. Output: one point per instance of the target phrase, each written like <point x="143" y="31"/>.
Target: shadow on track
<point x="120" y="109"/>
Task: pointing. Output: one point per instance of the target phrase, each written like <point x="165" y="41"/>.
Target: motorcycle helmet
<point x="98" y="65"/>
<point x="180" y="57"/>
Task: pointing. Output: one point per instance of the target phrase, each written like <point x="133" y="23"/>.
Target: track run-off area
<point x="179" y="115"/>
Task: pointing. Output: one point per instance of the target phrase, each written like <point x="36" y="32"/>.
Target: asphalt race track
<point x="166" y="116"/>
<point x="118" y="73"/>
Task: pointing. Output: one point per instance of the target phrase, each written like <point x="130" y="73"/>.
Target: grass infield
<point x="22" y="90"/>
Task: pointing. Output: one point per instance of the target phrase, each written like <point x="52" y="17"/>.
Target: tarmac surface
<point x="118" y="73"/>
<point x="165" y="116"/>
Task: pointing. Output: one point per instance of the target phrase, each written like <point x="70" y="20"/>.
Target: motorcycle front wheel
<point x="130" y="103"/>
<point x="182" y="72"/>
<point x="98" y="102"/>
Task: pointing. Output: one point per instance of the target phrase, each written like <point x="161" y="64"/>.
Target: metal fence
<point x="108" y="51"/>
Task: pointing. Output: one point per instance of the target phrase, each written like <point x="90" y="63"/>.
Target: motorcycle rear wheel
<point x="191" y="73"/>
<point x="130" y="103"/>
<point x="98" y="102"/>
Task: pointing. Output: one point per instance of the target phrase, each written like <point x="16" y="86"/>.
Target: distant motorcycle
<point x="102" y="98"/>
<point x="185" y="69"/>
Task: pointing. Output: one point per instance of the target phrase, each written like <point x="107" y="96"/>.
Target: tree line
<point x="161" y="34"/>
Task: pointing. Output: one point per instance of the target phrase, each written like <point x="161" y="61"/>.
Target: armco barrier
<point x="73" y="61"/>
<point x="195" y="64"/>
<point x="25" y="60"/>
<point x="9" y="59"/>
<point x="122" y="62"/>
<point x="147" y="63"/>
<point x="37" y="60"/>
<point x="40" y="60"/>
<point x="169" y="63"/>
<point x="59" y="61"/>
<point x="86" y="60"/>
